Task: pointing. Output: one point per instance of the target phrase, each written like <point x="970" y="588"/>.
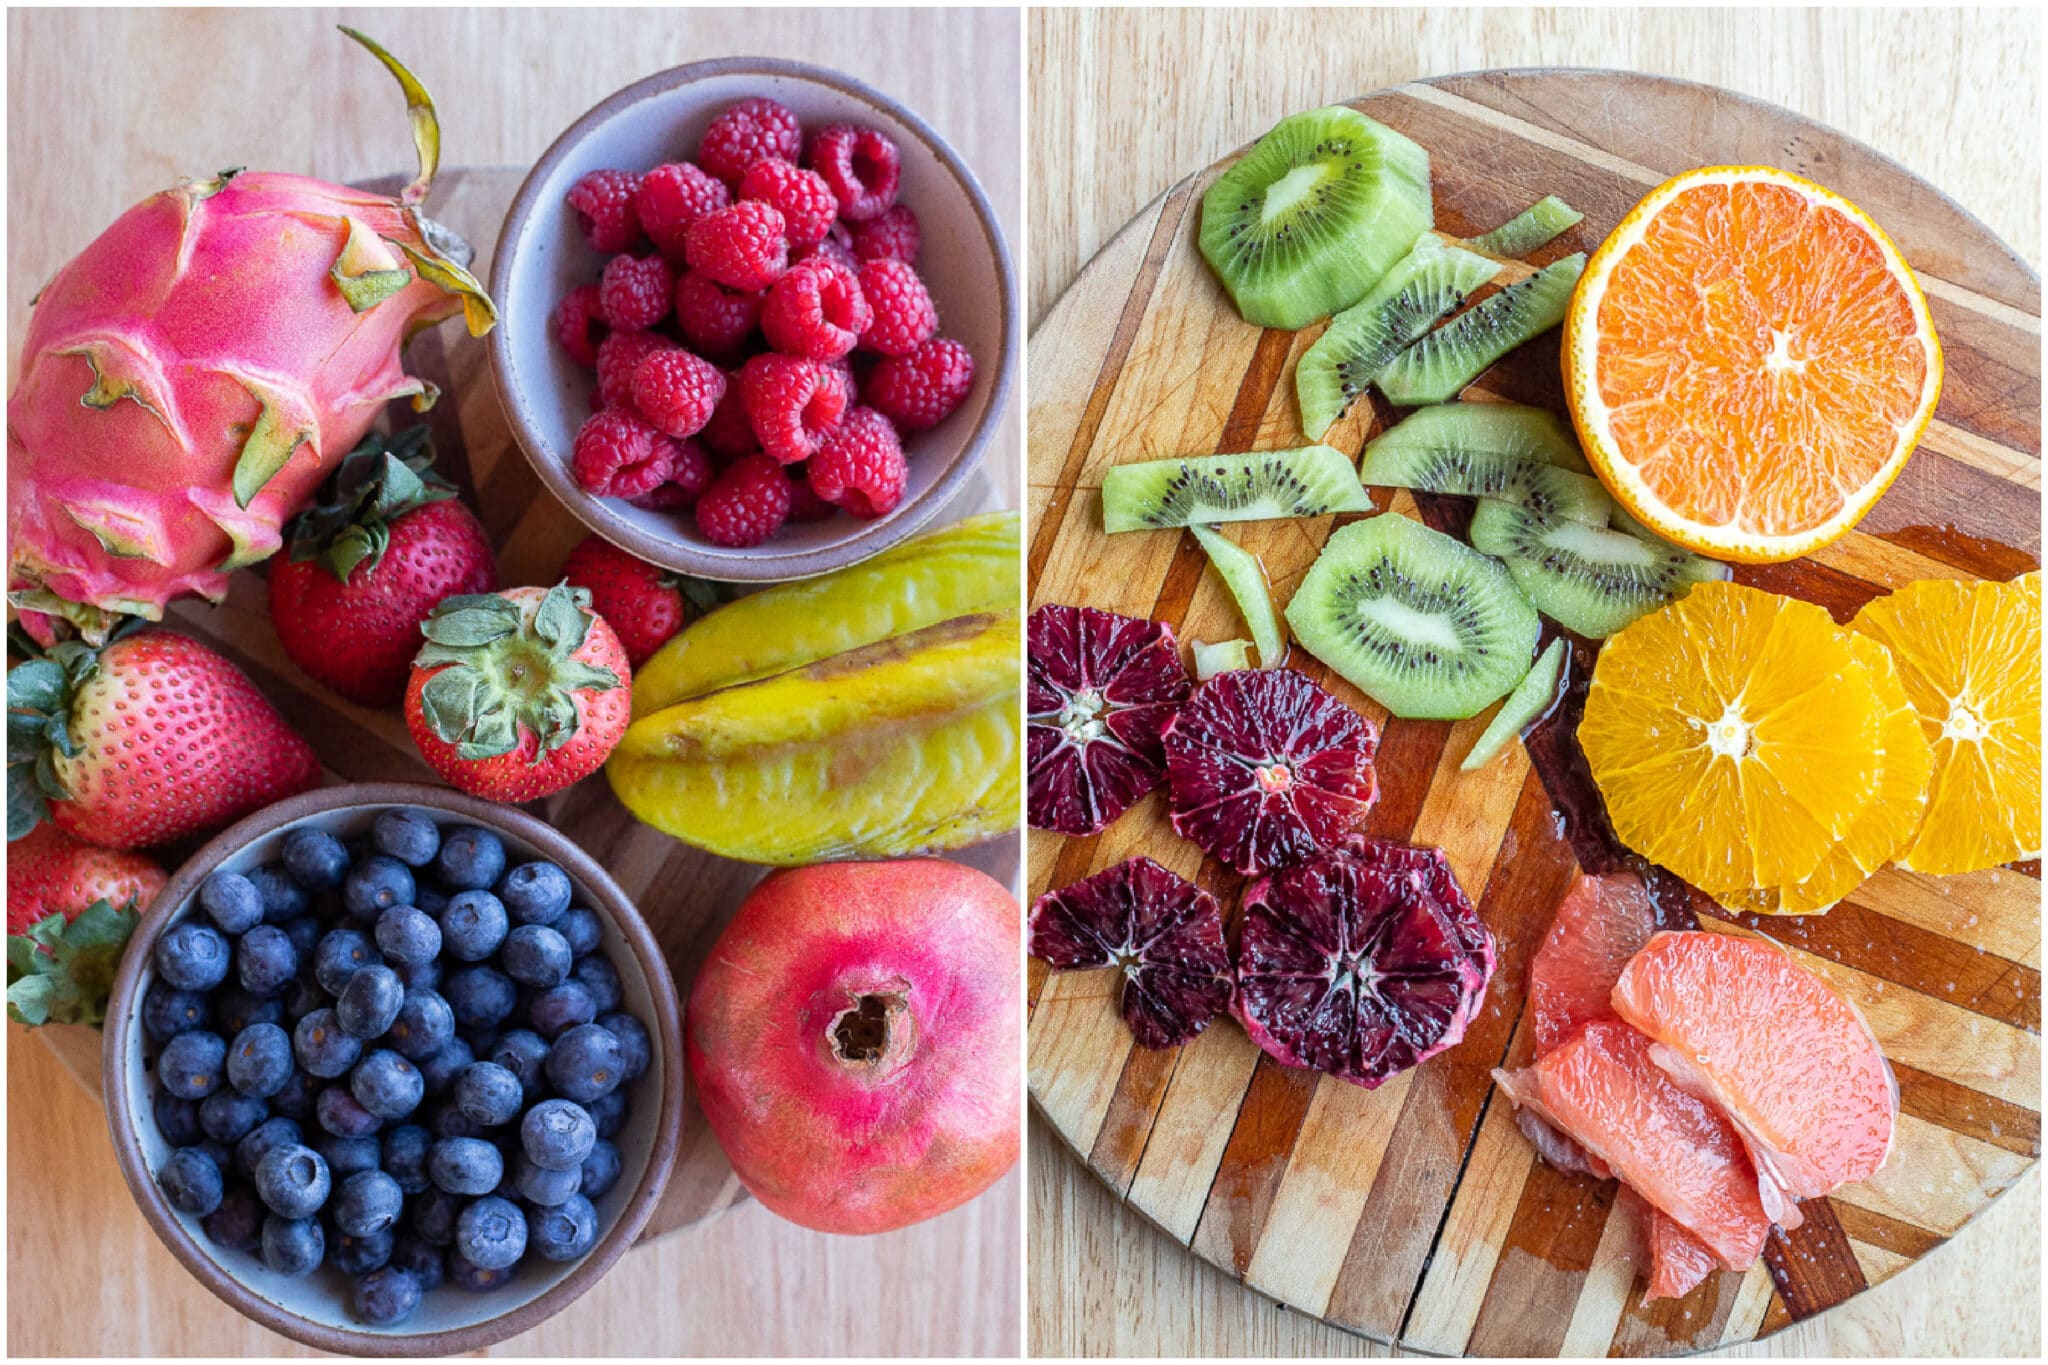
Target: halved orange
<point x="1749" y="361"/>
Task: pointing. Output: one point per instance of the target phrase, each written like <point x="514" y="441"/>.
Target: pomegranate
<point x="853" y="1040"/>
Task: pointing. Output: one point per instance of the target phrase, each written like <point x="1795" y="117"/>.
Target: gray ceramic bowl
<point x="315" y="1309"/>
<point x="541" y="255"/>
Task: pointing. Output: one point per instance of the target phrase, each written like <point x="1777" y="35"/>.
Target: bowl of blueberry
<point x="393" y="1070"/>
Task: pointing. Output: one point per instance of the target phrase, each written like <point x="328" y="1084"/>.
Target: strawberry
<point x="383" y="543"/>
<point x="51" y="873"/>
<point x="518" y="694"/>
<point x="644" y="604"/>
<point x="144" y="740"/>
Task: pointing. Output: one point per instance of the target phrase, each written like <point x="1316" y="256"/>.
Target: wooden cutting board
<point x="686" y="895"/>
<point x="1416" y="1214"/>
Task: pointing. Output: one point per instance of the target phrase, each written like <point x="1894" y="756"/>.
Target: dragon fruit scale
<point x="190" y="377"/>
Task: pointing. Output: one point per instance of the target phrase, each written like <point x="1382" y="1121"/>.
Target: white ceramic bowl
<point x="541" y="256"/>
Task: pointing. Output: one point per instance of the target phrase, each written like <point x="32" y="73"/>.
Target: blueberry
<point x="601" y="979"/>
<point x="564" y="1232"/>
<point x="375" y="885"/>
<point x="304" y="931"/>
<point x="535" y="955"/>
<point x="315" y="859"/>
<point x="466" y="1274"/>
<point x="535" y="893"/>
<point x="227" y="1116"/>
<point x="293" y="1181"/>
<point x="431" y="899"/>
<point x="232" y="902"/>
<point x="386" y="1295"/>
<point x="302" y="997"/>
<point x="449" y="1061"/>
<point x="237" y="1009"/>
<point x="582" y="928"/>
<point x="419" y="976"/>
<point x="422" y="1259"/>
<point x="404" y="1154"/>
<point x="260" y="1060"/>
<point x="168" y="1011"/>
<point x="608" y="1113"/>
<point x="585" y="1063"/>
<point x="473" y="926"/>
<point x="283" y="898"/>
<point x="191" y="1064"/>
<point x="223" y="1153"/>
<point x="191" y="1181"/>
<point x="410" y="836"/>
<point x="636" y="1049"/>
<point x="323" y="1047"/>
<point x="539" y="1185"/>
<point x="408" y="936"/>
<point x="488" y="1094"/>
<point x="367" y="1203"/>
<point x="177" y="1118"/>
<point x="339" y="955"/>
<point x="425" y="1024"/>
<point x="345" y="1156"/>
<point x="238" y="1223"/>
<point x="449" y="1121"/>
<point x="600" y="1169"/>
<point x="471" y="859"/>
<point x="369" y="1005"/>
<point x="465" y="1165"/>
<point x="340" y="1114"/>
<point x="265" y="960"/>
<point x="482" y="997"/>
<point x="554" y="1012"/>
<point x="193" y="956"/>
<point x="265" y="1138"/>
<point x="292" y="1246"/>
<point x="557" y="1134"/>
<point x="491" y="1233"/>
<point x="434" y="1211"/>
<point x="296" y="1100"/>
<point x="524" y="1053"/>
<point x="387" y="1084"/>
<point x="359" y="1255"/>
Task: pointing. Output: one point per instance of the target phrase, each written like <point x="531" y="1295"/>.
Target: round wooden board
<point x="1416" y="1214"/>
<point x="685" y="894"/>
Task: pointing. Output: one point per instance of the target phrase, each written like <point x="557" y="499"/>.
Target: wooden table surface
<point x="1126" y="103"/>
<point x="88" y="92"/>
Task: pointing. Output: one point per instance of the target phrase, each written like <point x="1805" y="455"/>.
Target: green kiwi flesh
<point x="1225" y="656"/>
<point x="1423" y="624"/>
<point x="1246" y="578"/>
<point x="1311" y="217"/>
<point x="1542" y="488"/>
<point x="1531" y="700"/>
<point x="1586" y="578"/>
<point x="1429" y="282"/>
<point x="1508" y="430"/>
<point x="1435" y="368"/>
<point x="1202" y="489"/>
<point x="1542" y="223"/>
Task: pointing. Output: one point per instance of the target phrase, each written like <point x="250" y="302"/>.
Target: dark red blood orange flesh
<point x="1159" y="930"/>
<point x="1600" y="924"/>
<point x="1101" y="689"/>
<point x="1265" y="769"/>
<point x="1434" y="869"/>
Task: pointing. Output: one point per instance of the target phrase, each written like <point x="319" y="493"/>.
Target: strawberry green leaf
<point x="61" y="972"/>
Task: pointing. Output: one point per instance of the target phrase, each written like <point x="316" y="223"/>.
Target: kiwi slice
<point x="1532" y="698"/>
<point x="1246" y="578"/>
<point x="1424" y="624"/>
<point x="1199" y="489"/>
<point x="1542" y="223"/>
<point x="1445" y="361"/>
<point x="1509" y="430"/>
<point x="1586" y="578"/>
<point x="1542" y="488"/>
<point x="1430" y="281"/>
<point x="1310" y="218"/>
<point x="1226" y="656"/>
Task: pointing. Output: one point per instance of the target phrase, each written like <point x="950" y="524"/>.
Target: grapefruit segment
<point x="1600" y="924"/>
<point x="1678" y="1260"/>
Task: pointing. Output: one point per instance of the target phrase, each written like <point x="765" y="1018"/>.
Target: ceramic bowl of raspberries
<point x="758" y="320"/>
<point x="393" y="1070"/>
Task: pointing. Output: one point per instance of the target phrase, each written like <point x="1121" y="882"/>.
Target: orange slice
<point x="1749" y="361"/>
<point x="1734" y="737"/>
<point x="1969" y="655"/>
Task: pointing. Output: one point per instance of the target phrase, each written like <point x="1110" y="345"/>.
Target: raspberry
<point x="603" y="201"/>
<point x="920" y="390"/>
<point x="580" y="325"/>
<point x="895" y="234"/>
<point x="806" y="202"/>
<point x="729" y="435"/>
<point x="816" y="309"/>
<point x="618" y="355"/>
<point x="747" y="504"/>
<point x="741" y="247"/>
<point x="862" y="167"/>
<point x="716" y="321"/>
<point x="688" y="477"/>
<point x="676" y="392"/>
<point x="860" y="466"/>
<point x="745" y="132"/>
<point x="673" y="196"/>
<point x="635" y="291"/>
<point x="904" y="316"/>
<point x="791" y="404"/>
<point x="834" y="248"/>
<point x="804" y="503"/>
<point x="617" y="455"/>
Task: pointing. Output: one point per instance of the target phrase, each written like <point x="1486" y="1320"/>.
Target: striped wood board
<point x="1416" y="1214"/>
<point x="686" y="895"/>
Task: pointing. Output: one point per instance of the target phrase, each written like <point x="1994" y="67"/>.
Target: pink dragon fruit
<point x="192" y="375"/>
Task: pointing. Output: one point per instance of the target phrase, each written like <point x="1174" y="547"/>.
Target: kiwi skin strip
<point x="1246" y="578"/>
<point x="1537" y="226"/>
<point x="1437" y="367"/>
<point x="1531" y="700"/>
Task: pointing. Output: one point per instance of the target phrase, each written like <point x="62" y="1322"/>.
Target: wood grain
<point x="1522" y="1305"/>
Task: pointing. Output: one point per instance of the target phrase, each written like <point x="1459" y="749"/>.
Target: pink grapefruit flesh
<point x="1600" y="924"/>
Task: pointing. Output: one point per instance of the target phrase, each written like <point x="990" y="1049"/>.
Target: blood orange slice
<point x="1600" y="924"/>
<point x="1101" y="689"/>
